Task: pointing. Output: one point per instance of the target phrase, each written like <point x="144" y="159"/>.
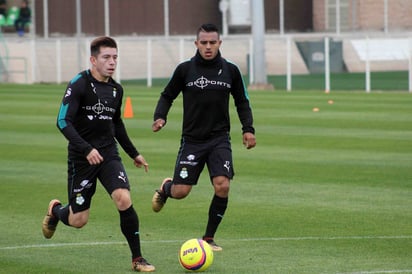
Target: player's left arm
<point x="123" y="138"/>
<point x="243" y="108"/>
<point x="120" y="132"/>
<point x="249" y="140"/>
<point x="139" y="161"/>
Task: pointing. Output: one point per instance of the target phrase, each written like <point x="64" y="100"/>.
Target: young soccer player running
<point x="206" y="82"/>
<point x="90" y="119"/>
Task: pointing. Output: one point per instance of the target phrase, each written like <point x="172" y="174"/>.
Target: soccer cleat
<point x="159" y="198"/>
<point x="50" y="222"/>
<point x="141" y="265"/>
<point x="214" y="246"/>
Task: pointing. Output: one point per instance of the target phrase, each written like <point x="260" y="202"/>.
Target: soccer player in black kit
<point x="206" y="81"/>
<point x="90" y="119"/>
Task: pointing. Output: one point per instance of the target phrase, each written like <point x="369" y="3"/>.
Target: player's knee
<point x="180" y="191"/>
<point x="78" y="222"/>
<point x="221" y="185"/>
<point x="222" y="191"/>
<point x="180" y="195"/>
<point x="121" y="198"/>
<point x="79" y="219"/>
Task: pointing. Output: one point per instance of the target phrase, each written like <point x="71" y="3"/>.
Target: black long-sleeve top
<point x="206" y="86"/>
<point x="90" y="116"/>
<point x="25" y="13"/>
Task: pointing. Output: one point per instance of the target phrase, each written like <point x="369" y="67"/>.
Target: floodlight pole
<point x="106" y="18"/>
<point x="337" y="17"/>
<point x="281" y="17"/>
<point x="166" y="16"/>
<point x="78" y="18"/>
<point x="45" y="18"/>
<point x="223" y="7"/>
<point x="79" y="32"/>
<point x="258" y="34"/>
<point x="385" y="16"/>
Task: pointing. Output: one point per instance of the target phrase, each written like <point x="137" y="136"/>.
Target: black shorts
<point x="216" y="153"/>
<point x="82" y="178"/>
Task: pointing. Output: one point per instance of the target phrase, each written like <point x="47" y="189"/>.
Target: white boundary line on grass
<point x="309" y="238"/>
<point x="378" y="272"/>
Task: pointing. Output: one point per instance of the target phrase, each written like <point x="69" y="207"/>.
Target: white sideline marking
<point x="224" y="240"/>
<point x="379" y="271"/>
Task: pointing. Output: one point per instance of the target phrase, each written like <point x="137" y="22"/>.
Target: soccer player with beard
<point x="206" y="81"/>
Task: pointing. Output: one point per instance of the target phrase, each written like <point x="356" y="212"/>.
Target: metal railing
<point x="148" y="58"/>
<point x="4" y="54"/>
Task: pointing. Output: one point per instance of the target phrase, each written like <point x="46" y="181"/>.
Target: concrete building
<point x="362" y="15"/>
<point x="58" y="18"/>
<point x="153" y="41"/>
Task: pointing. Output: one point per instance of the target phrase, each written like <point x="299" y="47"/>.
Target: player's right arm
<point x="169" y="94"/>
<point x="67" y="115"/>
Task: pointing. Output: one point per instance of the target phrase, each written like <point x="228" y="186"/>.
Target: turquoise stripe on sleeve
<point x="243" y="81"/>
<point x="75" y="79"/>
<point x="245" y="90"/>
<point x="62" y="115"/>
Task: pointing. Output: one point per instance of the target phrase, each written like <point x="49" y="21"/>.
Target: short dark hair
<point x="103" y="41"/>
<point x="207" y="28"/>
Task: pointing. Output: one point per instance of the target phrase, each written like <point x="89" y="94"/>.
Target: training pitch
<point x="324" y="191"/>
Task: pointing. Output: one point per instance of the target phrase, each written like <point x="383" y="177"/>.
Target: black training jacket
<point x="90" y="116"/>
<point x="206" y="86"/>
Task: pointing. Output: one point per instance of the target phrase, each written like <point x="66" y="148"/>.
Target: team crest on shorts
<point x="183" y="173"/>
<point x="79" y="199"/>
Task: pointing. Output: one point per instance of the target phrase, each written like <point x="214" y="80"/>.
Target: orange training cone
<point x="128" y="110"/>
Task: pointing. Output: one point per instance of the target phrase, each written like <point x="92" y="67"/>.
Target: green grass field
<point x="323" y="192"/>
<point x="379" y="80"/>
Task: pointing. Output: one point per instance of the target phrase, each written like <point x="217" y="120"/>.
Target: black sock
<point x="216" y="212"/>
<point x="61" y="213"/>
<point x="167" y="189"/>
<point x="129" y="224"/>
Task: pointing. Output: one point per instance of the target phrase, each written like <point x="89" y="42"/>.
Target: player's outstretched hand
<point x="249" y="140"/>
<point x="158" y="124"/>
<point x="139" y="161"/>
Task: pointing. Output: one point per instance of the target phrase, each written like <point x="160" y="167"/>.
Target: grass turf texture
<point x="323" y="192"/>
<point x="387" y="81"/>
